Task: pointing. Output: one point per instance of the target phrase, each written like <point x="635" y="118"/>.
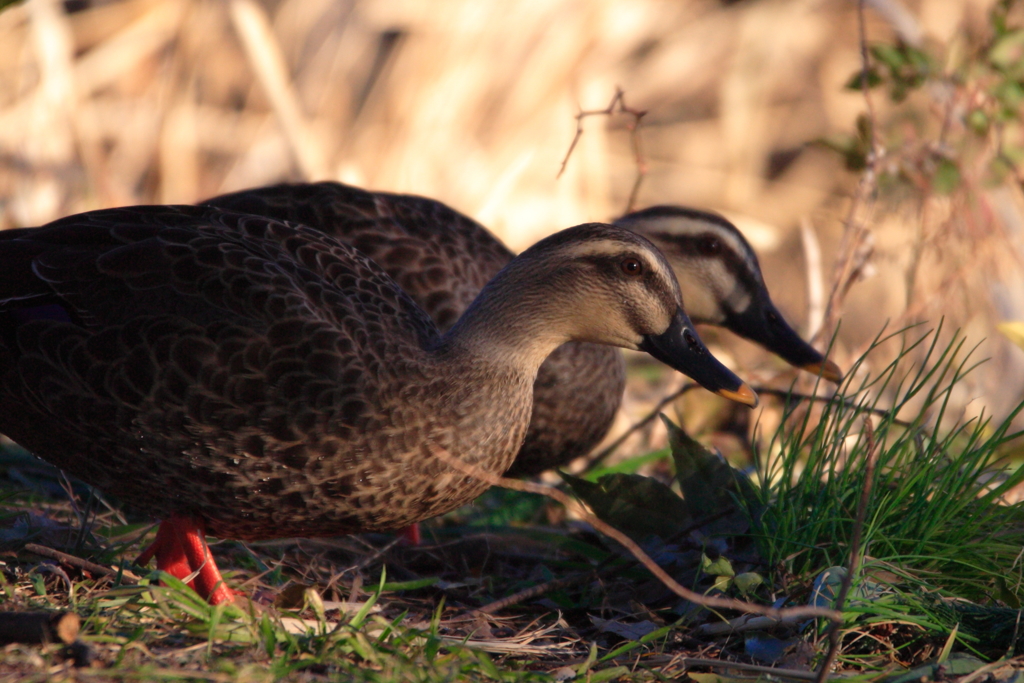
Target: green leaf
<point x="958" y="664"/>
<point x="584" y="666"/>
<point x="978" y="121"/>
<point x="890" y="56"/>
<point x="410" y="585"/>
<point x="854" y="150"/>
<point x="856" y="81"/>
<point x="717" y="567"/>
<point x="946" y="177"/>
<point x="1008" y="51"/>
<point x="312" y="600"/>
<point x="722" y="583"/>
<point x="747" y="582"/>
<point x="1010" y="94"/>
<point x="361" y="615"/>
<point x="708" y="482"/>
<point x="948" y="647"/>
<point x="608" y="674"/>
<point x="629" y="466"/>
<point x="640" y="507"/>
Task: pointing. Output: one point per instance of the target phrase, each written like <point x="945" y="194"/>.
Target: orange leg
<point x="180" y="549"/>
<point x="411" y="534"/>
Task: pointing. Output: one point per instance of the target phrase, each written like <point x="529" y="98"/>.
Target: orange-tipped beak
<point x="827" y="369"/>
<point x="744" y="395"/>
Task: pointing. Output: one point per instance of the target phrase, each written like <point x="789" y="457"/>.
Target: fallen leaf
<point x="638" y="506"/>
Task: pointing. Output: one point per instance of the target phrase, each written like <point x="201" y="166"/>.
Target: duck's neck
<point x="511" y="325"/>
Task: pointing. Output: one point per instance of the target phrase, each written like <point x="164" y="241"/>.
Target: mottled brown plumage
<point x="272" y="381"/>
<point x="442" y="259"/>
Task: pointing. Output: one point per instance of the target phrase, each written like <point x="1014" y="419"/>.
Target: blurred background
<point x="474" y="103"/>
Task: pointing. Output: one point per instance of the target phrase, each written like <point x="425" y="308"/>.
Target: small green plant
<point x="935" y="516"/>
<point x="966" y="125"/>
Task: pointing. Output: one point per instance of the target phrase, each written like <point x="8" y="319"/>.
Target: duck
<point x="442" y="258"/>
<point x="235" y="375"/>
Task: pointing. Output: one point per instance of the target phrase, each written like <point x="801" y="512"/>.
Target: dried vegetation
<point x="903" y="206"/>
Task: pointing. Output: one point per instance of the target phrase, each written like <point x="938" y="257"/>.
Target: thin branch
<point x="856" y="246"/>
<point x="755" y="668"/>
<point x="603" y="455"/>
<point x="759" y="390"/>
<point x="602" y="570"/>
<point x="785" y="393"/>
<point x="853" y="566"/>
<point x="616" y="106"/>
<point x="610" y="531"/>
<point x="126" y="577"/>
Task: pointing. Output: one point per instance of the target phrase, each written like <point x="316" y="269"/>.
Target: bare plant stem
<point x="601" y="570"/>
<point x="856" y="245"/>
<point x="613" y="446"/>
<point x="760" y="390"/>
<point x="126" y="577"/>
<point x="853" y="565"/>
<point x="616" y="106"/>
<point x="629" y="544"/>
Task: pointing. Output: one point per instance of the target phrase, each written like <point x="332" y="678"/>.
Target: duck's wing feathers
<point x="152" y="323"/>
<point x="201" y="264"/>
<point x="439" y="256"/>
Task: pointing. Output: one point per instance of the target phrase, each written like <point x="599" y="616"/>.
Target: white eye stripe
<point x="683" y="229"/>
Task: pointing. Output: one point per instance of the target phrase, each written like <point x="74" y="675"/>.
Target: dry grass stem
<point x="126" y="576"/>
<point x="815" y="279"/>
<point x="631" y="546"/>
<point x="853" y="565"/>
<point x="268" y="63"/>
<point x="857" y="244"/>
<point x="646" y="420"/>
<point x="616" y="106"/>
<point x="774" y="672"/>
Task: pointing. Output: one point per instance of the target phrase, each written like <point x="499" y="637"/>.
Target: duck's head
<point x="613" y="286"/>
<point x="722" y="283"/>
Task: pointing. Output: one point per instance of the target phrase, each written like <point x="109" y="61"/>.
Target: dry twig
<point x="602" y="570"/>
<point x="629" y="544"/>
<point x="857" y="244"/>
<point x="854" y="563"/>
<point x="126" y="577"/>
<point x="603" y="455"/>
<point x="617" y="106"/>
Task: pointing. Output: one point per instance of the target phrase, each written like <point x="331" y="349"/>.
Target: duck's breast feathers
<point x="202" y="264"/>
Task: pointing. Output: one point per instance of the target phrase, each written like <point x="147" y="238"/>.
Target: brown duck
<point x="442" y="259"/>
<point x="256" y="379"/>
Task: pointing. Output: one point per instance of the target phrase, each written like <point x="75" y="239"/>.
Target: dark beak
<point x="680" y="348"/>
<point x="763" y="324"/>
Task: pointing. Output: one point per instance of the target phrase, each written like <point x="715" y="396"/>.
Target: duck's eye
<point x="632" y="266"/>
<point x="710" y="245"/>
